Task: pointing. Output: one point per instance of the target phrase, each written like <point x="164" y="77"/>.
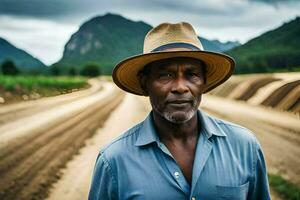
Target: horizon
<point x="42" y="30"/>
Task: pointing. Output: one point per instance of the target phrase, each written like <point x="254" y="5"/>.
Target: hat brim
<point x="219" y="67"/>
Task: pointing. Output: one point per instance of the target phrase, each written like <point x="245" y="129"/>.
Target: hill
<point x="25" y="62"/>
<point x="105" y="40"/>
<point x="216" y="45"/>
<point x="274" y="51"/>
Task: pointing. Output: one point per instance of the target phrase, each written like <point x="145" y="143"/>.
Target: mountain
<point x="105" y="40"/>
<point x="216" y="45"/>
<point x="274" y="51"/>
<point x="23" y="60"/>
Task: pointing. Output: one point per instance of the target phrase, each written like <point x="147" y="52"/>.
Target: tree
<point x="55" y="70"/>
<point x="8" y="68"/>
<point x="72" y="72"/>
<point x="91" y="70"/>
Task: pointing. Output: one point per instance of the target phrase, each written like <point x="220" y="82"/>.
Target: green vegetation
<point x="9" y="68"/>
<point x="23" y="60"/>
<point x="72" y="72"/>
<point x="90" y="70"/>
<point x="274" y="51"/>
<point x="290" y="69"/>
<point x="284" y="188"/>
<point x="41" y="84"/>
<point x="55" y="70"/>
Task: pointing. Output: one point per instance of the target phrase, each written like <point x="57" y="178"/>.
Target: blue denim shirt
<point x="228" y="164"/>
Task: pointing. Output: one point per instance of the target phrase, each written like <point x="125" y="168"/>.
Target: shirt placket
<point x="203" y="150"/>
<point x="174" y="169"/>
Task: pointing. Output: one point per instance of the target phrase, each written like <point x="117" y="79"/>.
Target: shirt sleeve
<point x="259" y="187"/>
<point x="104" y="185"/>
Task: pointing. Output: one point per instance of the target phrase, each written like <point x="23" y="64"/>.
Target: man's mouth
<point x="179" y="102"/>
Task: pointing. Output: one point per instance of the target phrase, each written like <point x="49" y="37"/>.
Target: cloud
<point x="275" y="1"/>
<point x="61" y="8"/>
<point x="218" y="12"/>
<point x="41" y="38"/>
<point x="23" y="20"/>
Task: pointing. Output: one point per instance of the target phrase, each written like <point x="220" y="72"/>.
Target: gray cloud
<point x="76" y="11"/>
<point x="274" y="1"/>
<point x="33" y="7"/>
<point x="53" y="21"/>
<point x="61" y="8"/>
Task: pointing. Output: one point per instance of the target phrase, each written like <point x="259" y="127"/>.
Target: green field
<point x="15" y="87"/>
<point x="286" y="189"/>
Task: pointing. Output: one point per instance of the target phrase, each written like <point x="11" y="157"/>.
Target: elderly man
<point x="178" y="152"/>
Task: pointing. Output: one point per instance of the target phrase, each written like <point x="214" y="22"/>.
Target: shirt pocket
<point x="233" y="193"/>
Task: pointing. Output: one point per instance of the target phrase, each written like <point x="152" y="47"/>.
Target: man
<point x="178" y="152"/>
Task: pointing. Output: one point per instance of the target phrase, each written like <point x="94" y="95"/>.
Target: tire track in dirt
<point x="132" y="110"/>
<point x="28" y="168"/>
<point x="18" y="149"/>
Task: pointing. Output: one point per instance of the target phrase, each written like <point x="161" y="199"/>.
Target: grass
<point x="9" y="83"/>
<point x="43" y="85"/>
<point x="284" y="188"/>
<point x="292" y="69"/>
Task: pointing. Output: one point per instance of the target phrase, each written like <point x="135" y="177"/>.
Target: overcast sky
<point x="42" y="27"/>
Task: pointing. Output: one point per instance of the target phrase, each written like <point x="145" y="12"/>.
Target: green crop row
<point x="284" y="188"/>
<point x="35" y="83"/>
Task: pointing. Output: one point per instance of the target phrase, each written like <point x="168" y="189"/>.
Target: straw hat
<point x="169" y="41"/>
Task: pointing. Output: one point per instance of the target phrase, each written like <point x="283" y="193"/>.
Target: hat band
<point x="175" y="45"/>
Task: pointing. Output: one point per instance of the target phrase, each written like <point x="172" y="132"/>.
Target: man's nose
<point x="180" y="85"/>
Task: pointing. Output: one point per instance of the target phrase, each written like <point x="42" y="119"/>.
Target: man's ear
<point x="143" y="83"/>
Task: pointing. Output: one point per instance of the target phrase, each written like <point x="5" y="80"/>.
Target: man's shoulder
<point x="233" y="131"/>
<point x="124" y="142"/>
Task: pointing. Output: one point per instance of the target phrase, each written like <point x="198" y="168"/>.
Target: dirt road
<point x="34" y="161"/>
<point x="132" y="110"/>
<point x="35" y="146"/>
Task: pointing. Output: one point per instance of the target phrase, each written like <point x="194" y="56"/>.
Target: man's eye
<point x="193" y="74"/>
<point x="165" y="75"/>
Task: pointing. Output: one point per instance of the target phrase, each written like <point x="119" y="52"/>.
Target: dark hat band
<point x="176" y="45"/>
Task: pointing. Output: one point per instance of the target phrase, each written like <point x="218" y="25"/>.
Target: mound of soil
<point x="248" y="88"/>
<point x="226" y="88"/>
<point x="282" y="92"/>
<point x="291" y="100"/>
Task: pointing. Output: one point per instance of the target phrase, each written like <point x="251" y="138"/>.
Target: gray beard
<point x="171" y="117"/>
<point x="186" y="117"/>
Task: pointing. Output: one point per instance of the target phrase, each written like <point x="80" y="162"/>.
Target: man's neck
<point x="173" y="132"/>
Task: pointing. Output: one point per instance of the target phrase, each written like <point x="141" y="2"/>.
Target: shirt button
<point x="193" y="198"/>
<point x="176" y="174"/>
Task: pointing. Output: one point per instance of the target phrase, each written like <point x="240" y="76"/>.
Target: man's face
<point x="175" y="88"/>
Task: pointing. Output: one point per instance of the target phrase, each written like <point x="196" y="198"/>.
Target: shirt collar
<point x="209" y="125"/>
<point x="147" y="133"/>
